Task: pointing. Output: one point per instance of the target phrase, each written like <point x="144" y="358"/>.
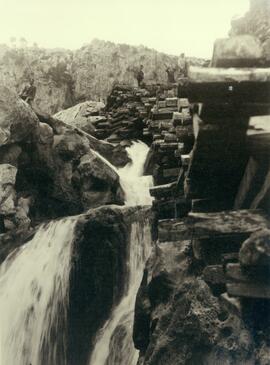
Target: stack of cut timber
<point x="125" y="115"/>
<point x="220" y="240"/>
<point x="170" y="126"/>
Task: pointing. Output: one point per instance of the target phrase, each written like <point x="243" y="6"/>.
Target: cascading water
<point x="34" y="287"/>
<point x="34" y="283"/>
<point x="135" y="185"/>
<point x="114" y="344"/>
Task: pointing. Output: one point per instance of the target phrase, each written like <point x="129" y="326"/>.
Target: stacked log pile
<point x="124" y="115"/>
<point x="224" y="182"/>
<point x="169" y="126"/>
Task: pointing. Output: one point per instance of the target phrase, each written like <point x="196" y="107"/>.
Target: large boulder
<point x="67" y="174"/>
<point x="115" y="154"/>
<point x="242" y="50"/>
<point x="100" y="267"/>
<point x="81" y="115"/>
<point x="255" y="251"/>
<point x="18" y="122"/>
<point x="178" y="321"/>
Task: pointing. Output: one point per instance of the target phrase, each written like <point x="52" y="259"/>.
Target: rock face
<point x="243" y="49"/>
<point x="255" y="22"/>
<point x="80" y="115"/>
<point x="255" y="251"/>
<point x="17" y="121"/>
<point x="63" y="78"/>
<point x="179" y="321"/>
<point x="48" y="169"/>
<point x="99" y="272"/>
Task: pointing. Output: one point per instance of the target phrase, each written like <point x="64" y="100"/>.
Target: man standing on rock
<point x="182" y="65"/>
<point x="29" y="92"/>
<point x="170" y="74"/>
<point x="140" y="76"/>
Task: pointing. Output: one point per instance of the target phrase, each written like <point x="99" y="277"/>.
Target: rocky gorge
<point x="136" y="231"/>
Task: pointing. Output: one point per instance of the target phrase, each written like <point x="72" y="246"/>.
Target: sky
<point x="170" y="26"/>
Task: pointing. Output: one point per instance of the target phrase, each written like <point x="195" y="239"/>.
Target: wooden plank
<point x="173" y="230"/>
<point x="246" y="183"/>
<point x="163" y="190"/>
<point x="199" y="75"/>
<point x="235" y="273"/>
<point x="212" y="249"/>
<point x="262" y="198"/>
<point x="185" y="159"/>
<point x="171" y="172"/>
<point x="228" y="222"/>
<point x="260" y="291"/>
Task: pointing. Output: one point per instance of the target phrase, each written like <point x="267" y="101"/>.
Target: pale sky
<point x="170" y="26"/>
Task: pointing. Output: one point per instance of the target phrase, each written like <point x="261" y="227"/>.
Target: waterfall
<point x="34" y="289"/>
<point x="114" y="344"/>
<point x="135" y="185"/>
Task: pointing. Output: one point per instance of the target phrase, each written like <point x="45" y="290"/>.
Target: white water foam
<point x="114" y="344"/>
<point x="34" y="289"/>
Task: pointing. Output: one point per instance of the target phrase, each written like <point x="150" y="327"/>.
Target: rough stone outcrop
<point x="18" y="122"/>
<point x="255" y="251"/>
<point x="63" y="77"/>
<point x="179" y="321"/>
<point x="49" y="168"/>
<point x="80" y="115"/>
<point x="99" y="272"/>
<point x="255" y="22"/>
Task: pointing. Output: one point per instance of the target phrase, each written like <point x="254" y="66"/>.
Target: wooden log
<point x="164" y="126"/>
<point x="169" y="146"/>
<point x="171" y="102"/>
<point x="242" y="199"/>
<point x="262" y="198"/>
<point x="172" y="173"/>
<point x="163" y="190"/>
<point x="170" y="137"/>
<point x="247" y="290"/>
<point x="173" y="230"/>
<point x="228" y="222"/>
<point x="185" y="160"/>
<point x="162" y="114"/>
<point x="235" y="272"/>
<point x="103" y="125"/>
<point x="152" y="100"/>
<point x="171" y="208"/>
<point x="215" y="85"/>
<point x="212" y="248"/>
<point x="162" y="104"/>
<point x="183" y="103"/>
<point x="157" y="137"/>
<point x="227" y="76"/>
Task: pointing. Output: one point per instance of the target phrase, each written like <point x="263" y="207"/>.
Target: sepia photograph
<point x="135" y="182"/>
